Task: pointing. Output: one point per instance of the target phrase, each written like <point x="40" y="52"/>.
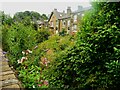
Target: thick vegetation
<point x="90" y="59"/>
<point x="94" y="61"/>
<point x="19" y="39"/>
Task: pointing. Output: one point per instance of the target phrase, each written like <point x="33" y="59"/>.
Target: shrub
<point x="42" y="35"/>
<point x="94" y="60"/>
<point x="19" y="38"/>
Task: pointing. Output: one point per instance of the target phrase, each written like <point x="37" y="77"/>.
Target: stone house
<point x="58" y="21"/>
<point x="42" y="24"/>
<point x="67" y="21"/>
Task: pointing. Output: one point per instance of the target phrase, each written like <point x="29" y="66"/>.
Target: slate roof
<point x="59" y="15"/>
<point x="42" y="21"/>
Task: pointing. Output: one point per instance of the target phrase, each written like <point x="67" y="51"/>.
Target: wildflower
<point x="4" y="52"/>
<point x="48" y="61"/>
<point x="23" y="52"/>
<point x="45" y="62"/>
<point x="39" y="85"/>
<point x="35" y="47"/>
<point x="23" y="59"/>
<point x="45" y="82"/>
<point x="33" y="86"/>
<point x="25" y="67"/>
<point x="19" y="61"/>
<point x="41" y="80"/>
<point x="29" y="51"/>
<point x="26" y="52"/>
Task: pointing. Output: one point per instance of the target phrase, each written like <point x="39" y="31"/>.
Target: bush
<point x="94" y="60"/>
<point x="42" y="35"/>
<point x="18" y="38"/>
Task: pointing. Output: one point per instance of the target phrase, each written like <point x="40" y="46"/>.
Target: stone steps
<point x="7" y="76"/>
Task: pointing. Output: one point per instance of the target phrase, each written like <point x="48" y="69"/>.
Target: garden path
<point x="8" y="79"/>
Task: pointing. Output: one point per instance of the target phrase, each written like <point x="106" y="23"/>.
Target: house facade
<point x="64" y="21"/>
<point x="58" y="21"/>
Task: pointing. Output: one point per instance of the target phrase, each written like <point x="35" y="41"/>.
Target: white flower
<point x="46" y="64"/>
<point x="23" y="52"/>
<point x="29" y="51"/>
<point x="22" y="60"/>
<point x="19" y="61"/>
<point x="35" y="47"/>
<point x="33" y="86"/>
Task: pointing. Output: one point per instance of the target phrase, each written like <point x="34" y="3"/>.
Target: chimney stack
<point x="80" y="7"/>
<point x="55" y="9"/>
<point x="63" y="12"/>
<point x="68" y="10"/>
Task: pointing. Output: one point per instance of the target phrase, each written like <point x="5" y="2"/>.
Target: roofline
<point x="63" y="18"/>
<point x="50" y="16"/>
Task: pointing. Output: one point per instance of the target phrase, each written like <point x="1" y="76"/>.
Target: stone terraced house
<point x="59" y="21"/>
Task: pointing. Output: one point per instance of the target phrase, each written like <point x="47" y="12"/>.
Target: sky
<point x="41" y="6"/>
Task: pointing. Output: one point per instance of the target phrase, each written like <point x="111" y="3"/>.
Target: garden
<point x="89" y="59"/>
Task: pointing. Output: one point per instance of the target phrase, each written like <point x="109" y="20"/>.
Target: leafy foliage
<point x="91" y="61"/>
<point x="19" y="38"/>
<point x="94" y="60"/>
<point x="42" y="35"/>
<point x="22" y="15"/>
<point x="5" y="19"/>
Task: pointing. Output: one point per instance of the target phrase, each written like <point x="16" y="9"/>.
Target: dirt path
<point x="7" y="76"/>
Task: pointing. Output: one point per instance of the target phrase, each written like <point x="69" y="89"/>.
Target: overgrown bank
<point x="90" y="61"/>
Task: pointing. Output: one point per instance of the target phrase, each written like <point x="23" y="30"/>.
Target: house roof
<point x="63" y="15"/>
<point x="59" y="15"/>
<point x="42" y="22"/>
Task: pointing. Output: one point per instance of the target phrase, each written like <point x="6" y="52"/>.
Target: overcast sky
<point x="41" y="6"/>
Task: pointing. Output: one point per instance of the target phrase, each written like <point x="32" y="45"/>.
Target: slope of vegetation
<point x="90" y="59"/>
<point x="94" y="61"/>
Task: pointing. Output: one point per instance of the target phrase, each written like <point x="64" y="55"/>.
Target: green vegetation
<point x="90" y="59"/>
<point x="94" y="60"/>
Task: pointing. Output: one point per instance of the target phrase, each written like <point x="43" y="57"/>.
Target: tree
<point x="44" y="17"/>
<point x="5" y="19"/>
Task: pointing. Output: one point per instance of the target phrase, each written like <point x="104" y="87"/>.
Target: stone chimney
<point x="68" y="10"/>
<point x="55" y="9"/>
<point x="80" y="8"/>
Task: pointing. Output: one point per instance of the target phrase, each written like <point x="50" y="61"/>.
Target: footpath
<point x="8" y="80"/>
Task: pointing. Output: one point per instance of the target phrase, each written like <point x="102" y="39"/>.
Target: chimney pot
<point x="69" y="10"/>
<point x="55" y="9"/>
<point x="80" y="7"/>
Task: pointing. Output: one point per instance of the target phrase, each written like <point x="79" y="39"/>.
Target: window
<point x="68" y="28"/>
<point x="68" y="22"/>
<point x="56" y="22"/>
<point x="60" y="15"/>
<point x="64" y="23"/>
<point x="56" y="28"/>
<point x="75" y="27"/>
<point x="75" y="17"/>
<point x="51" y="23"/>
